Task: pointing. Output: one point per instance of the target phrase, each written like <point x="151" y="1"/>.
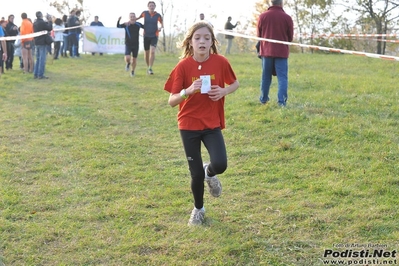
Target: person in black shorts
<point x="132" y="29"/>
<point x="151" y="32"/>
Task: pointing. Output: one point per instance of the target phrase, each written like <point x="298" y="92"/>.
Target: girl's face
<point x="201" y="41"/>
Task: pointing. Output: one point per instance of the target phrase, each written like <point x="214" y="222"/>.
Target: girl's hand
<point x="195" y="87"/>
<point x="216" y="93"/>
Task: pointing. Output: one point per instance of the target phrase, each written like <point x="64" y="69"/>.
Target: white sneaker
<point x="215" y="187"/>
<point x="197" y="217"/>
<point x="127" y="67"/>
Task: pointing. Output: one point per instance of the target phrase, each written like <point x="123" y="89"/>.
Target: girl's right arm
<point x="176" y="98"/>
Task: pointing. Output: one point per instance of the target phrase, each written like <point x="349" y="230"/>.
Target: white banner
<point x="103" y="40"/>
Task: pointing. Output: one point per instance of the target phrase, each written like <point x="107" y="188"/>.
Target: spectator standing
<point x="151" y="33"/>
<point x="18" y="53"/>
<point x="132" y="29"/>
<point x="73" y="40"/>
<point x="40" y="44"/>
<point x="3" y="50"/>
<point x="12" y="30"/>
<point x="78" y="33"/>
<point x="58" y="30"/>
<point x="201" y="110"/>
<point x="229" y="27"/>
<point x="27" y="43"/>
<point x="202" y="18"/>
<point x="98" y="23"/>
<point x="3" y="24"/>
<point x="277" y="25"/>
<point x="64" y="47"/>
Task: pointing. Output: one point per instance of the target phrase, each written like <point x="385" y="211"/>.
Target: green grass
<point x="92" y="170"/>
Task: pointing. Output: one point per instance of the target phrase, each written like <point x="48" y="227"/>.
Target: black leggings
<point x="57" y="46"/>
<point x="214" y="143"/>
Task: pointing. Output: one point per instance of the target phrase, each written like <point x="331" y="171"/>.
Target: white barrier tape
<point x="75" y="27"/>
<point x="374" y="40"/>
<point x="393" y="41"/>
<point x="36" y="34"/>
<point x="305" y="35"/>
<point x="31" y="35"/>
<point x="333" y="50"/>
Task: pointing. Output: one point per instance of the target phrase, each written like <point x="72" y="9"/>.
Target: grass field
<point x="92" y="170"/>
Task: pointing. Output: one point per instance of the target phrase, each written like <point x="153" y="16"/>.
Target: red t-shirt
<point x="199" y="112"/>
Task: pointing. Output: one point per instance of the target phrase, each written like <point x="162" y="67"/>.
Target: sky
<point x="184" y="12"/>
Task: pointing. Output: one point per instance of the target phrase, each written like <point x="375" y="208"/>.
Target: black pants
<point x="73" y="43"/>
<point x="10" y="54"/>
<point x="214" y="143"/>
<point x="57" y="46"/>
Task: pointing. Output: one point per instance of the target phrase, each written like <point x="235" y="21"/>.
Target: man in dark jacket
<point x="229" y="27"/>
<point x="40" y="44"/>
<point x="275" y="24"/>
<point x="12" y="30"/>
<point x="73" y="37"/>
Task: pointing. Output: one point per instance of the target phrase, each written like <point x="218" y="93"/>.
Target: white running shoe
<point x="215" y="187"/>
<point x="197" y="217"/>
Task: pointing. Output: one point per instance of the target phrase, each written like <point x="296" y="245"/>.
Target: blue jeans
<point x="73" y="44"/>
<point x="41" y="55"/>
<point x="280" y="66"/>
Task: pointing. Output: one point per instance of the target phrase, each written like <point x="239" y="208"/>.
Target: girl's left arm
<point x="232" y="87"/>
<point x="216" y="92"/>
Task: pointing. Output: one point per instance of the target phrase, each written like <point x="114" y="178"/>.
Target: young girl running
<point x="198" y="84"/>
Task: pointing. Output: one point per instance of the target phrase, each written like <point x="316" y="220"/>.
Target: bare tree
<point x="164" y="8"/>
<point x="260" y="7"/>
<point x="65" y="7"/>
<point x="381" y="13"/>
<point x="312" y="18"/>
